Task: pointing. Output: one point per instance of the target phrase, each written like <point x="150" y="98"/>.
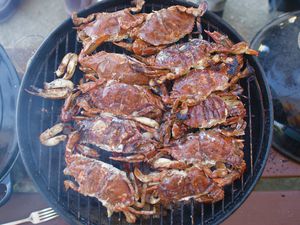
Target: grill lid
<point x="9" y="86"/>
<point x="279" y="46"/>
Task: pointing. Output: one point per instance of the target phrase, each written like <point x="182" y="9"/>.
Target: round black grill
<point x="46" y="165"/>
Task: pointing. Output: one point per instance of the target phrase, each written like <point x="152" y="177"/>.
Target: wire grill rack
<point x="46" y="164"/>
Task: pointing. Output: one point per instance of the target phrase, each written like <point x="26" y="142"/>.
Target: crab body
<point x="103" y="181"/>
<point x="173" y="186"/>
<point x="120" y="99"/>
<point x="170" y="25"/>
<point x="123" y="68"/>
<point x="210" y="150"/>
<point x="102" y="27"/>
<point x="117" y="135"/>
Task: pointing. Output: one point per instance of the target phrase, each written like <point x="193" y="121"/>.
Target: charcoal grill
<point x="45" y="165"/>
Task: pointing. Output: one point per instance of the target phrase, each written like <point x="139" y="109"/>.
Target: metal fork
<point x="37" y="217"/>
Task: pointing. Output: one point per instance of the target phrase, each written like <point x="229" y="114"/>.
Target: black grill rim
<point x="55" y="37"/>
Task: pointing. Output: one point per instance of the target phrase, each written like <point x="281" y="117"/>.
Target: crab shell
<point x="103" y="181"/>
<point x="214" y="110"/>
<point x="206" y="148"/>
<point x="173" y="186"/>
<point x="170" y="24"/>
<point x="113" y="66"/>
<point x="117" y="135"/>
<point x="103" y="27"/>
<point x="124" y="99"/>
<point x="198" y="84"/>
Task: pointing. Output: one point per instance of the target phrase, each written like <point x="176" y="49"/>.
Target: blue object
<point x="9" y="86"/>
<point x="7" y="9"/>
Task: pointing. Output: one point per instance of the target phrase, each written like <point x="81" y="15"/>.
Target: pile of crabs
<point x="173" y="107"/>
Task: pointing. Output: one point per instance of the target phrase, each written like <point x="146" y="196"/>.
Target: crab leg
<point x="169" y="164"/>
<point x="136" y="190"/>
<point x="143" y="197"/>
<point x="85" y="87"/>
<point x="142" y="212"/>
<point x="87" y="151"/>
<point x="130" y="217"/>
<point x="140" y="47"/>
<point x="152" y="177"/>
<point x="79" y="20"/>
<point x="130" y="159"/>
<point x="70" y="184"/>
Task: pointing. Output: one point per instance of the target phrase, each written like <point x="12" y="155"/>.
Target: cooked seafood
<point x="198" y="84"/>
<point x="50" y="136"/>
<point x="117" y="135"/>
<point x="199" y="54"/>
<point x="123" y="68"/>
<point x="209" y="149"/>
<point x="67" y="66"/>
<point x="120" y="99"/>
<point x="98" y="179"/>
<point x="57" y="89"/>
<point x="225" y="109"/>
<point x="163" y="27"/>
<point x="173" y="186"/>
<point x="179" y="111"/>
<point x="102" y="27"/>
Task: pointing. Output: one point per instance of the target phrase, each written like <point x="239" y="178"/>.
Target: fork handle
<point x="18" y="222"/>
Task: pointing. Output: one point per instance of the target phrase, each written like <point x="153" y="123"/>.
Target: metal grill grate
<point x="46" y="165"/>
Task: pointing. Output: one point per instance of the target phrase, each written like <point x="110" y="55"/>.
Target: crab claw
<point x="55" y="93"/>
<point x="243" y="48"/>
<point x="138" y="5"/>
<point x="220" y="38"/>
<point x="57" y="89"/>
<point x="59" y="83"/>
<point x="49" y="138"/>
<point x="67" y="66"/>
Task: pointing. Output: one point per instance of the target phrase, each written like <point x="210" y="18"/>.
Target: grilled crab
<point x="130" y="101"/>
<point x="173" y="186"/>
<point x="107" y="26"/>
<point x="198" y="53"/>
<point x="198" y="84"/>
<point x="57" y="89"/>
<point x="162" y="28"/>
<point x="110" y="133"/>
<point x="118" y="67"/>
<point x="223" y="109"/>
<point x="220" y="156"/>
<point x="103" y="181"/>
<point x="62" y="87"/>
<point x="117" y="135"/>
